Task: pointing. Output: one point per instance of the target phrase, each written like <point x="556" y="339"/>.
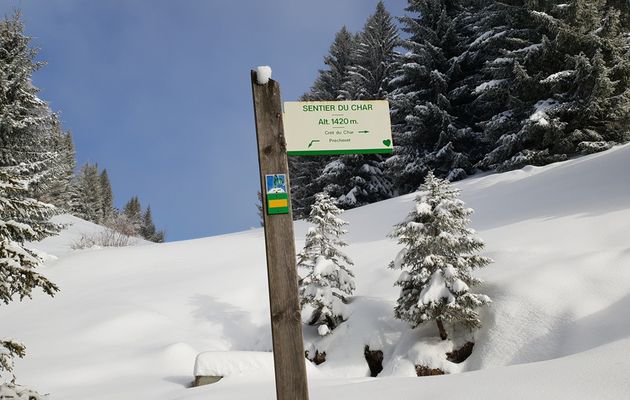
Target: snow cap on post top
<point x="263" y="74"/>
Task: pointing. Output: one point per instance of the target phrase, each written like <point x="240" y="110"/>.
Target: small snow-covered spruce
<point x="329" y="279"/>
<point x="438" y="259"/>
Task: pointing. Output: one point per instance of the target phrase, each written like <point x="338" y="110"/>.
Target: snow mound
<point x="248" y="364"/>
<point x="74" y="230"/>
<point x="233" y="363"/>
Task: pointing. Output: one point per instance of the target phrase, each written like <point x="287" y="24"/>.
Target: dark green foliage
<point x="139" y="223"/>
<point x="133" y="211"/>
<point x="329" y="85"/>
<point x="564" y="92"/>
<point x="23" y="219"/>
<point x="24" y="118"/>
<point x="10" y="350"/>
<point x="374" y="58"/>
<point x="499" y="85"/>
<point x="331" y="82"/>
<point x="427" y="134"/>
<point x="147" y="230"/>
<point x="360" y="67"/>
<point x="107" y="197"/>
<point x="88" y="201"/>
<point x="303" y="172"/>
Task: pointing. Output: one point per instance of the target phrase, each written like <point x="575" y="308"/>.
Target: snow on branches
<point x="22" y="219"/>
<point x="329" y="279"/>
<point x="437" y="260"/>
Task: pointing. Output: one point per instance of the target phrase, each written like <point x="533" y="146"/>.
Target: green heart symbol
<point x="387" y="142"/>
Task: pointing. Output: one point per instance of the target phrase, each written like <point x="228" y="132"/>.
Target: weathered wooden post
<point x="286" y="325"/>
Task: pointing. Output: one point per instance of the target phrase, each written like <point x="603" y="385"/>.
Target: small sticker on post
<point x="276" y="192"/>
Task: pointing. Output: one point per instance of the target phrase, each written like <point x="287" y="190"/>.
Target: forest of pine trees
<point x="473" y="86"/>
<point x="92" y="199"/>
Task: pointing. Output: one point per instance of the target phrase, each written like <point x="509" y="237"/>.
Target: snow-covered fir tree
<point x="330" y="84"/>
<point x="54" y="185"/>
<point x="88" y="202"/>
<point x="438" y="260"/>
<point x="358" y="179"/>
<point x="329" y="279"/>
<point x="484" y="85"/>
<point x="133" y="212"/>
<point x="567" y="82"/>
<point x="24" y="219"/>
<point x="426" y="133"/>
<point x="25" y="159"/>
<point x="31" y="133"/>
<point x="107" y="196"/>
<point x="148" y="230"/>
<point x="360" y="67"/>
<point x="375" y="57"/>
<point x="135" y="222"/>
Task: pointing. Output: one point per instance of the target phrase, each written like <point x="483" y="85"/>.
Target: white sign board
<point x="337" y="127"/>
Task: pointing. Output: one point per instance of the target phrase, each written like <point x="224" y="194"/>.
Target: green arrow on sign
<point x="363" y="131"/>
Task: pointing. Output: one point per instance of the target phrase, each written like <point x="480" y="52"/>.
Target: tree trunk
<point x="315" y="317"/>
<point x="440" y="326"/>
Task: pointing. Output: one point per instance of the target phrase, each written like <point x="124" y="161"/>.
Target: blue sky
<point x="158" y="92"/>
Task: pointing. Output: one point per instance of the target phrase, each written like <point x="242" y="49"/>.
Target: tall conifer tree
<point x="330" y="85"/>
<point x="426" y="133"/>
<point x="107" y="196"/>
<point x="133" y="211"/>
<point x="24" y="120"/>
<point x="357" y="179"/>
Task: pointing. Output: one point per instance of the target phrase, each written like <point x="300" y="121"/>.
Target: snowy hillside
<point x="129" y="322"/>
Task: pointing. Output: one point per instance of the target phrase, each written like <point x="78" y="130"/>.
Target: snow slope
<point x="129" y="322"/>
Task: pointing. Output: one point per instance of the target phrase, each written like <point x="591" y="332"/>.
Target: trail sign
<point x="337" y="127"/>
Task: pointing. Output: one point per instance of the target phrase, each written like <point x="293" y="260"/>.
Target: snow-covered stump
<point x="212" y="366"/>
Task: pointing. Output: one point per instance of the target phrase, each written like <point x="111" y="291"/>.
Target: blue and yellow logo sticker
<point x="276" y="192"/>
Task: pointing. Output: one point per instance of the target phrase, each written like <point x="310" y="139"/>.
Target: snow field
<point x="129" y="322"/>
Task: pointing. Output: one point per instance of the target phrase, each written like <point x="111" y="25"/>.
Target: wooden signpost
<point x="286" y="323"/>
<point x="316" y="128"/>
